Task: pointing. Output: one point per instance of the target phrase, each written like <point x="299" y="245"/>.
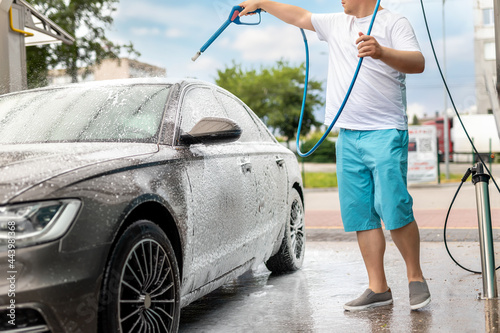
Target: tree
<point x="87" y="21"/>
<point x="325" y="153"/>
<point x="275" y="95"/>
<point x="37" y="65"/>
<point x="415" y="120"/>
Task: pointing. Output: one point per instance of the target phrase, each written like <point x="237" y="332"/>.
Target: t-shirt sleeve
<point x="323" y="24"/>
<point x="403" y="36"/>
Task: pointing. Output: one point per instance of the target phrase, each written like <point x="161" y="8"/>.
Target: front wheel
<point x="290" y="256"/>
<point x="141" y="287"/>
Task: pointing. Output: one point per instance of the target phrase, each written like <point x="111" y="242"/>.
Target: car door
<point x="268" y="170"/>
<point x="220" y="195"/>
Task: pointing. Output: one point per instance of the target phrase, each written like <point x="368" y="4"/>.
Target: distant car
<point x="123" y="201"/>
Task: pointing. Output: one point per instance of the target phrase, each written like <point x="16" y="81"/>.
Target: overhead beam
<point x="45" y="30"/>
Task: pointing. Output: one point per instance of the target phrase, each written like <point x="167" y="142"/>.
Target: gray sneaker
<point x="419" y="295"/>
<point x="369" y="299"/>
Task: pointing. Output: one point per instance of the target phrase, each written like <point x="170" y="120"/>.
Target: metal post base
<point x="481" y="181"/>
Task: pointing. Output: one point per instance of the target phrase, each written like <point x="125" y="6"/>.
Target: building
<point x="485" y="59"/>
<point x="110" y="69"/>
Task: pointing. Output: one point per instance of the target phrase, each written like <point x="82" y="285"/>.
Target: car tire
<point x="141" y="286"/>
<point x="290" y="256"/>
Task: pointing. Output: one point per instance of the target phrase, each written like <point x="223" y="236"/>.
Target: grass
<point x="320" y="179"/>
<point x="329" y="179"/>
<point x="454" y="178"/>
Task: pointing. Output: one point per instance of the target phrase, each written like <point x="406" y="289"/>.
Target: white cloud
<point x="205" y="63"/>
<point x="270" y="43"/>
<point x="144" y="31"/>
<point x="174" y="33"/>
<point x="204" y="68"/>
<point x="416" y="109"/>
<point x="187" y="16"/>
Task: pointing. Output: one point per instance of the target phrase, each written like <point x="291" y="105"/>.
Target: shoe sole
<point x="367" y="306"/>
<point x="421" y="305"/>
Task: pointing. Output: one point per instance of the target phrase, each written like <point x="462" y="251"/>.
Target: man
<point x="372" y="148"/>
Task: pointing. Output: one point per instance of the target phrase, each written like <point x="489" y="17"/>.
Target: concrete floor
<point x="311" y="299"/>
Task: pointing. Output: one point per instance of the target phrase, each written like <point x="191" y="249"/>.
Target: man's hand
<point x="368" y="47"/>
<point x="249" y="6"/>
<point x="294" y="15"/>
<point x="408" y="62"/>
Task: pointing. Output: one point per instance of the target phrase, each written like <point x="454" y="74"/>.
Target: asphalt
<point x="310" y="300"/>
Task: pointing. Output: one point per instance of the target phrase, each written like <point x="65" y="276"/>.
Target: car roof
<point x="118" y="82"/>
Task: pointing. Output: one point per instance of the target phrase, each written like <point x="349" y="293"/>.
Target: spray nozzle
<point x="234" y="17"/>
<point x="196" y="56"/>
<point x="466" y="175"/>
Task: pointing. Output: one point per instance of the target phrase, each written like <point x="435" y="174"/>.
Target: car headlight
<point x="38" y="222"/>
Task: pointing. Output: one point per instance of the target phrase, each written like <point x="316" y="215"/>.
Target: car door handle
<point x="280" y="161"/>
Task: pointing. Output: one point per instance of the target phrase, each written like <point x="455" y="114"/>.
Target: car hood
<point x="24" y="166"/>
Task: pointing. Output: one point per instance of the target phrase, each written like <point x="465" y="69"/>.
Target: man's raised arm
<point x="293" y="15"/>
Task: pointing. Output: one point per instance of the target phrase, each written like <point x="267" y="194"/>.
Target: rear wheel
<point x="291" y="253"/>
<point x="141" y="287"/>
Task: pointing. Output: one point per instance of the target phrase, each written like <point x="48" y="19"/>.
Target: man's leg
<point x="407" y="240"/>
<point x="372" y="246"/>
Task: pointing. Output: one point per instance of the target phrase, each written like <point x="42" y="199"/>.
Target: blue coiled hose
<point x="345" y="98"/>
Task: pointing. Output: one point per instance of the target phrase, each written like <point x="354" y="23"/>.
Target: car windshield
<point x="83" y="114"/>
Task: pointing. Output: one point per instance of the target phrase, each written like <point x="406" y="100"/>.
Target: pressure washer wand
<point x="233" y="18"/>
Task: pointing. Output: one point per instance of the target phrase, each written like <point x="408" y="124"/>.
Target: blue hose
<point x="345" y="98"/>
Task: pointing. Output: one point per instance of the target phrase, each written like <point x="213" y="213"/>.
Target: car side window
<point x="266" y="134"/>
<point x="237" y="112"/>
<point x="198" y="103"/>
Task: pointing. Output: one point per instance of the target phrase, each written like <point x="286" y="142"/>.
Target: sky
<point x="168" y="33"/>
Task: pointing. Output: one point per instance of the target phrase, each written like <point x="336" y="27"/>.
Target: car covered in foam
<point x="123" y="201"/>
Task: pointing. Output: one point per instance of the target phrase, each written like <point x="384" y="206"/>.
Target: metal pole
<point x="473" y="154"/>
<point x="490" y="157"/>
<point x="446" y="124"/>
<point x="12" y="49"/>
<point x="496" y="8"/>
<point x="491" y="315"/>
<point x="480" y="181"/>
<point x="438" y="156"/>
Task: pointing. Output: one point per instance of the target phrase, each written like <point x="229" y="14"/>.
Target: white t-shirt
<point x="378" y="98"/>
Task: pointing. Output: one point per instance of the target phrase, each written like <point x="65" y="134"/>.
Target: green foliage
<point x="37" y="65"/>
<point x="90" y="16"/>
<point x="275" y="95"/>
<point x="415" y="120"/>
<point x="320" y="179"/>
<point x="325" y="152"/>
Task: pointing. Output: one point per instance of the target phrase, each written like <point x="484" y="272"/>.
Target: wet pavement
<point x="311" y="299"/>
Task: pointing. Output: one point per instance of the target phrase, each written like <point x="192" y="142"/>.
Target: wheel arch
<point x="297" y="187"/>
<point x="155" y="210"/>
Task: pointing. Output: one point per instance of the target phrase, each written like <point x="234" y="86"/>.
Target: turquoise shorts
<point x="371" y="171"/>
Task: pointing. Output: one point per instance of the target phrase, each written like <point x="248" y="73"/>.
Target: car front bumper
<point x="46" y="290"/>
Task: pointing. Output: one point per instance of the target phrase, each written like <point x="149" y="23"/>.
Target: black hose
<point x="467" y="174"/>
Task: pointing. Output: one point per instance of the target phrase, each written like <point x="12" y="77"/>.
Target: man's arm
<point x="410" y="62"/>
<point x="294" y="15"/>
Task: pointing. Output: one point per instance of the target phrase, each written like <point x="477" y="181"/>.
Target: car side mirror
<point x="212" y="130"/>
